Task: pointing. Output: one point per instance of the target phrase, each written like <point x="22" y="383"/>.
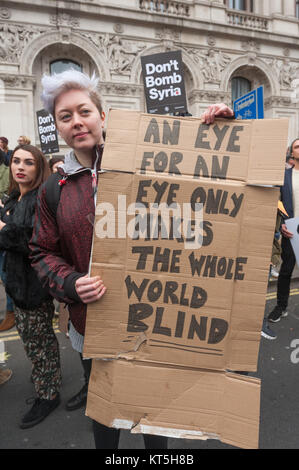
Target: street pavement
<point x="277" y="368"/>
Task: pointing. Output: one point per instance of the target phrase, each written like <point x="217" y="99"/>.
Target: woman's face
<point x="23" y="167"/>
<point x="21" y="141"/>
<point x="78" y="120"/>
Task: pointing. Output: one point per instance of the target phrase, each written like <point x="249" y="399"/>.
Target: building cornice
<point x="18" y="81"/>
<point x="89" y="9"/>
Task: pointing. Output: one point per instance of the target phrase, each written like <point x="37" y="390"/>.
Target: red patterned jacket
<point x="61" y="246"/>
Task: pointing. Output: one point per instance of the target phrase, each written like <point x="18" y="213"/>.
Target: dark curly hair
<point x="55" y="160"/>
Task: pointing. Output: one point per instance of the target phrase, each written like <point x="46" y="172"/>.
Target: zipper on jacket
<point x="94" y="178"/>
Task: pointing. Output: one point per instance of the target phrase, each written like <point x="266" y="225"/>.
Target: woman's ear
<point x="103" y="115"/>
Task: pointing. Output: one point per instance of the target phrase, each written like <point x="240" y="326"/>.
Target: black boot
<point x="40" y="410"/>
<point x="79" y="400"/>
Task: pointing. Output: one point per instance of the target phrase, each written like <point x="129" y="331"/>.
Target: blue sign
<point x="251" y="105"/>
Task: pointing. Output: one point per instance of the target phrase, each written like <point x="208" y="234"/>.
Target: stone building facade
<point x="227" y="46"/>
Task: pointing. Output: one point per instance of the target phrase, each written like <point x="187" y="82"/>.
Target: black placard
<point x="47" y="132"/>
<point x="164" y="83"/>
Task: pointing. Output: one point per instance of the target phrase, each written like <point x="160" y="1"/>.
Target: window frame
<point x="249" y="6"/>
<point x="239" y="77"/>
<point x="71" y="61"/>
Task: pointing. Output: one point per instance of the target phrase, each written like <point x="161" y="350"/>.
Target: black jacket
<point x="22" y="283"/>
<point x="287" y="193"/>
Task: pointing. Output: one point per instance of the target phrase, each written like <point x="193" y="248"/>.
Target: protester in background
<point x="5" y="149"/>
<point x="61" y="242"/>
<point x="23" y="140"/>
<point x="276" y="252"/>
<point x="4" y="176"/>
<point x="290" y="200"/>
<point x="289" y="162"/>
<point x="54" y="163"/>
<point x="34" y="307"/>
<point x="9" y="320"/>
<point x="267" y="332"/>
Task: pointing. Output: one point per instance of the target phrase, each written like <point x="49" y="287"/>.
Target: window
<point x="240" y="86"/>
<point x="156" y="6"/>
<point x="237" y="4"/>
<point x="245" y="5"/>
<point x="58" y="66"/>
<point x="297" y="8"/>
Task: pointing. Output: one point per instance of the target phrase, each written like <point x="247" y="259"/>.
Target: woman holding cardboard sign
<point x="62" y="239"/>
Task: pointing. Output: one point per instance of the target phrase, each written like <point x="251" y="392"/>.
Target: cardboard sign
<point x="182" y="403"/>
<point x="164" y="85"/>
<point x="47" y="132"/>
<point x="178" y="299"/>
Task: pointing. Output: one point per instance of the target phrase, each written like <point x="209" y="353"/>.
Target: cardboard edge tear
<point x="143" y="428"/>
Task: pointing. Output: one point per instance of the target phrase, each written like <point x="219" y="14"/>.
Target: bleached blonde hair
<point x="54" y="85"/>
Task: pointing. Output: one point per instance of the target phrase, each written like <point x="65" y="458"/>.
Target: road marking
<point x="272" y="295"/>
<point x="13" y="336"/>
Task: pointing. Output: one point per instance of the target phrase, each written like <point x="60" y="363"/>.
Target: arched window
<point x="58" y="66"/>
<point x="245" y="5"/>
<point x="240" y="86"/>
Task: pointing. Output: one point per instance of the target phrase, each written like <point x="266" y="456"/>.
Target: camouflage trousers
<point x="36" y="331"/>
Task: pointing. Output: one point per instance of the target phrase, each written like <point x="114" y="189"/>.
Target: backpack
<point x="53" y="191"/>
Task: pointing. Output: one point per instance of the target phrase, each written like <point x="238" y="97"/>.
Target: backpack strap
<point x="53" y="190"/>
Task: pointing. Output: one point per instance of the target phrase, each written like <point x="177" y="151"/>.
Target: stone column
<point x="17" y="100"/>
<point x="261" y="8"/>
<point x="217" y="11"/>
<point x="264" y="8"/>
<point x="276" y="7"/>
<point x="289" y="8"/>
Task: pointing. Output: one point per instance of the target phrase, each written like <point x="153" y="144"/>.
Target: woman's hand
<point x="285" y="232"/>
<point x="2" y="224"/>
<point x="90" y="289"/>
<point x="216" y="110"/>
